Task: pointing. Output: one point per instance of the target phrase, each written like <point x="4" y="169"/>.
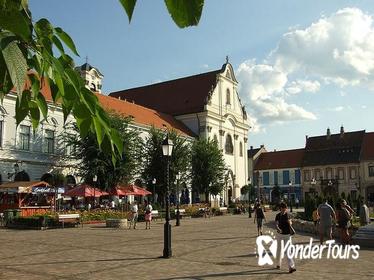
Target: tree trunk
<point x="206" y="196"/>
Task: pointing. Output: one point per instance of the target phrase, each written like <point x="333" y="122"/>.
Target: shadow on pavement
<point x="227" y="274"/>
<point x="78" y="261"/>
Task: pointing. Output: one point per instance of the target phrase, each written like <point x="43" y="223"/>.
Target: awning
<point x="129" y="190"/>
<point x="21" y="186"/>
<point x="85" y="190"/>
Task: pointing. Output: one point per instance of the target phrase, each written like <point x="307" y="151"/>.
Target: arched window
<point x="228" y="97"/>
<point x="47" y="177"/>
<point x="241" y="149"/>
<point x="229" y="147"/>
<point x="22" y="176"/>
<point x="93" y="87"/>
<point x="70" y="180"/>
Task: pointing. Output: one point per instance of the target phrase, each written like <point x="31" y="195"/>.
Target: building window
<point x="317" y="174"/>
<point x="229" y="147"/>
<point x="265" y="175"/>
<point x="297" y="177"/>
<point x="307" y="175"/>
<point x="228" y="97"/>
<point x="328" y="173"/>
<point x="241" y="149"/>
<point x="341" y="174"/>
<point x="352" y="173"/>
<point x="371" y="170"/>
<point x="1" y="133"/>
<point x="50" y="141"/>
<point x="275" y="177"/>
<point x="24" y="137"/>
<point x="286" y="177"/>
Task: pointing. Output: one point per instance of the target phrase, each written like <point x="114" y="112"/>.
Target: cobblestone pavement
<point x="215" y="248"/>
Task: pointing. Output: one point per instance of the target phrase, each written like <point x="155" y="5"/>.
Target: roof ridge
<point x="169" y="81"/>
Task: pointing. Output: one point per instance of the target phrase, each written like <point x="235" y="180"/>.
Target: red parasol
<point x="129" y="190"/>
<point x="86" y="191"/>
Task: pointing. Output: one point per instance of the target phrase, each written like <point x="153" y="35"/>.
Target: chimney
<point x="251" y="147"/>
<point x="261" y="146"/>
<point x="328" y="134"/>
<point x="342" y="131"/>
<point x="306" y="137"/>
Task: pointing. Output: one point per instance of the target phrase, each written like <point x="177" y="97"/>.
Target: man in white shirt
<point x="134" y="212"/>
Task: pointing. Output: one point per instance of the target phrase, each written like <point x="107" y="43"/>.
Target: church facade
<point x="210" y="106"/>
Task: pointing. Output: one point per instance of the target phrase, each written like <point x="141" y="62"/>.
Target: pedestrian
<point x="259" y="218"/>
<point x="112" y="204"/>
<point x="364" y="214"/>
<point x="148" y="215"/>
<point x="285" y="231"/>
<point x="134" y="214"/>
<point x="315" y="218"/>
<point x="297" y="203"/>
<point x="342" y="219"/>
<point x="326" y="215"/>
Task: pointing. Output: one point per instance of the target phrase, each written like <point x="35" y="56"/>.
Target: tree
<point x="33" y="57"/>
<point x="248" y="190"/>
<point x="96" y="162"/>
<point x="276" y="194"/>
<point x="208" y="167"/>
<point x="154" y="166"/>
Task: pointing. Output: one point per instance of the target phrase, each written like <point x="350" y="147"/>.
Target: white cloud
<point x="336" y="109"/>
<point x="303" y="86"/>
<point x="336" y="49"/>
<point x="363" y="107"/>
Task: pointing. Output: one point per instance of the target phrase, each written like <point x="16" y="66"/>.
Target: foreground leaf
<point x="129" y="6"/>
<point x="185" y="12"/>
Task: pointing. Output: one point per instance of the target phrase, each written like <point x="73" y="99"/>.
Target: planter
<point x="116" y="223"/>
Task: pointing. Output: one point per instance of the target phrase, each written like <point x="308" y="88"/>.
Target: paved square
<point x="216" y="248"/>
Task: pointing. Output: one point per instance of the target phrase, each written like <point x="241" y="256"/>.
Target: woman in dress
<point x="148" y="215"/>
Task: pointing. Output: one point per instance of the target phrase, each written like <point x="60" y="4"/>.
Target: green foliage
<point x="95" y="161"/>
<point x="184" y="12"/>
<point x="248" y="189"/>
<point x="155" y="163"/>
<point x="208" y="167"/>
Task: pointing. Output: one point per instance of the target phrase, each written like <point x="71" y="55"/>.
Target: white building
<point x="205" y="105"/>
<point x="209" y="105"/>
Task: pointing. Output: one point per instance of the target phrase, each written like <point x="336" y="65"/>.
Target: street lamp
<point x="178" y="177"/>
<point x="167" y="149"/>
<point x="249" y="200"/>
<point x="313" y="183"/>
<point x="94" y="186"/>
<point x="154" y="188"/>
<point x="289" y="194"/>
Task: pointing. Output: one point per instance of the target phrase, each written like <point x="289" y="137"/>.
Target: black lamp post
<point x="167" y="149"/>
<point x="154" y="189"/>
<point x="289" y="194"/>
<point x="249" y="199"/>
<point x="178" y="222"/>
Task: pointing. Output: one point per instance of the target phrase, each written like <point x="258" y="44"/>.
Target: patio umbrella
<point x="129" y="190"/>
<point x="86" y="191"/>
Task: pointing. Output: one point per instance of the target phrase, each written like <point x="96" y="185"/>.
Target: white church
<point x="204" y="105"/>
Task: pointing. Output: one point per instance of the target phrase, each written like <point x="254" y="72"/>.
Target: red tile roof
<point x="280" y="159"/>
<point x="141" y="115"/>
<point x="368" y="146"/>
<point x="176" y="97"/>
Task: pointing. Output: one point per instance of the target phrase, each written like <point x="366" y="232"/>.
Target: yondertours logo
<point x="268" y="248"/>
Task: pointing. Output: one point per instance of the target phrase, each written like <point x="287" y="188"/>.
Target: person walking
<point x="259" y="218"/>
<point x="342" y="218"/>
<point x="364" y="214"/>
<point x="148" y="215"/>
<point x="134" y="214"/>
<point x="285" y="231"/>
<point x="326" y="214"/>
<point x="315" y="218"/>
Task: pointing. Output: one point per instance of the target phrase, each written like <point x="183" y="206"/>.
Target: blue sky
<point x="303" y="65"/>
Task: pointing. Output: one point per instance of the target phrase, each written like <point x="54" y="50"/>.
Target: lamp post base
<point x="167" y="241"/>
<point x="178" y="222"/>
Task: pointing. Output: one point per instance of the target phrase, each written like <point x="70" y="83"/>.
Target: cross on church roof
<point x="227" y="59"/>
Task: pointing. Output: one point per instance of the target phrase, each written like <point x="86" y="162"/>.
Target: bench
<point x="223" y="210"/>
<point x="182" y="213"/>
<point x="155" y="215"/>
<point x="69" y="218"/>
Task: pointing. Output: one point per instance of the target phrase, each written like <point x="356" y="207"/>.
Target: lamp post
<point x="178" y="222"/>
<point x="94" y="186"/>
<point x="167" y="149"/>
<point x="313" y="183"/>
<point x="154" y="189"/>
<point x="258" y="185"/>
<point x="249" y="200"/>
<point x="289" y="194"/>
